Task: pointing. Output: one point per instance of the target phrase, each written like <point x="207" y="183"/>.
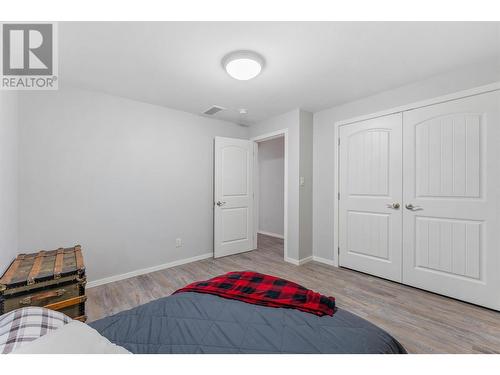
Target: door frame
<point x="336" y="149"/>
<point x="261" y="138"/>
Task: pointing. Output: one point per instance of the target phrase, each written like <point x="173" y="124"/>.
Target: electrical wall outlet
<point x="178" y="242"/>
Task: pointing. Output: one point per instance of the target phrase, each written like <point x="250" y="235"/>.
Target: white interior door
<point x="233" y="196"/>
<point x="370" y="227"/>
<point x="451" y="186"/>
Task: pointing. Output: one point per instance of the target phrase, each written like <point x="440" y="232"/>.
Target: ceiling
<point x="309" y="65"/>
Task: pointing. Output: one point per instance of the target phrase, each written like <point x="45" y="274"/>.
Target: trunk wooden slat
<point x="53" y="279"/>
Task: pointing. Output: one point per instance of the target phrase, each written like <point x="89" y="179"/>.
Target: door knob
<point x="411" y="207"/>
<point x="394" y="205"/>
<point x="219" y="203"/>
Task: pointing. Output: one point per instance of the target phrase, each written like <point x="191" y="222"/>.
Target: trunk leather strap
<point x="41" y="296"/>
<point x="58" y="263"/>
<point x="66" y="303"/>
<point x="7" y="277"/>
<point x="79" y="258"/>
<point x="37" y="265"/>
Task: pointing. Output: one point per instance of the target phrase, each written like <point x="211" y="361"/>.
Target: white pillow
<point x="73" y="338"/>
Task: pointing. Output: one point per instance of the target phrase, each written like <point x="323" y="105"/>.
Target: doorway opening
<point x="271" y="193"/>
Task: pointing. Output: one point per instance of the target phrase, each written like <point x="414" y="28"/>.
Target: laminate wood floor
<point x="423" y="322"/>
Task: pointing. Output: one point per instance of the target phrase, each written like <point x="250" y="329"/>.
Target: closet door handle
<point x="394" y="206"/>
<point x="411" y="207"/>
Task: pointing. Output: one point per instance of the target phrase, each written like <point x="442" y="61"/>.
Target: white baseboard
<point x="323" y="260"/>
<point x="299" y="262"/>
<point x="123" y="276"/>
<point x="271" y="234"/>
<point x="305" y="260"/>
<point x="293" y="261"/>
<point x="143" y="271"/>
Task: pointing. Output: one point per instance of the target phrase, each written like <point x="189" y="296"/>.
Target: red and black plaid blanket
<point x="265" y="290"/>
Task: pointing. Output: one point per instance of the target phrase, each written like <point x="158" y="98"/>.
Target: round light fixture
<point x="243" y="65"/>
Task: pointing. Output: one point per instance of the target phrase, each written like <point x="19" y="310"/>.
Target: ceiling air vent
<point x="213" y="110"/>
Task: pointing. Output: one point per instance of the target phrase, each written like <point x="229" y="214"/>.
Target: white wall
<point x="8" y="178"/>
<point x="306" y="190"/>
<point x="271" y="185"/>
<point x="325" y="159"/>
<point x="298" y="123"/>
<point x="122" y="178"/>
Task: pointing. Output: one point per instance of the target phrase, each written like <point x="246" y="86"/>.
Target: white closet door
<point x="370" y="196"/>
<point x="451" y="185"/>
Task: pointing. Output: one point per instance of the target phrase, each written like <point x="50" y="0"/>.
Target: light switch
<point x="301" y="181"/>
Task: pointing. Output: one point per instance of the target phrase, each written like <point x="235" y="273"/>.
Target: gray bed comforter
<point x="204" y="323"/>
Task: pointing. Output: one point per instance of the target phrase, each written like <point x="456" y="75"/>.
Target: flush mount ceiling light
<point x="243" y="65"/>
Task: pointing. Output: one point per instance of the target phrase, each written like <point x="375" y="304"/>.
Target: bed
<point x="205" y="323"/>
<point x="238" y="312"/>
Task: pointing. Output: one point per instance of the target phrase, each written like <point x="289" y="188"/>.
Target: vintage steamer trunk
<point x="52" y="279"/>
